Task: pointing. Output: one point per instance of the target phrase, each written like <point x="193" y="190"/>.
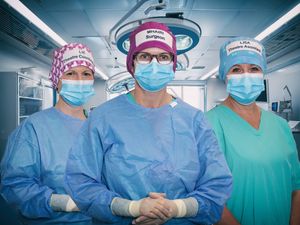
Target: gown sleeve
<point x="214" y="184"/>
<point x="83" y="179"/>
<point x="20" y="174"/>
<point x="213" y="120"/>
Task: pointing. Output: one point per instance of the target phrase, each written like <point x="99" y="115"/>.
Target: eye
<point x="70" y="73"/>
<point x="255" y="69"/>
<point x="235" y="69"/>
<point x="144" y="56"/>
<point x="87" y="74"/>
<point x="164" y="57"/>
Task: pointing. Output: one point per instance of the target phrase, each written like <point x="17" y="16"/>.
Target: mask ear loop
<point x="226" y="79"/>
<point x="59" y="80"/>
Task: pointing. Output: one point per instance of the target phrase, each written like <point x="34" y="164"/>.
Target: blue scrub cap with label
<point x="241" y="50"/>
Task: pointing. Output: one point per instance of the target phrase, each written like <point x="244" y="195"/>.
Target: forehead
<point x="245" y="65"/>
<point x="79" y="69"/>
<point x="153" y="50"/>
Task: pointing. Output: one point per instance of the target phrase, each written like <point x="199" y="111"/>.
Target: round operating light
<point x="126" y="45"/>
<point x="120" y="83"/>
<point x="183" y="42"/>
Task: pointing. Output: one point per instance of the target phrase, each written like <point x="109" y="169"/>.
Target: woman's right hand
<point x="155" y="217"/>
<point x="154" y="208"/>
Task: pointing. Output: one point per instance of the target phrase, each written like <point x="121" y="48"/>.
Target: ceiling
<point x="89" y="22"/>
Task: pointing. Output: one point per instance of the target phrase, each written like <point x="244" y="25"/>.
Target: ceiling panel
<point x="98" y="44"/>
<point x="212" y="22"/>
<point x="269" y="5"/>
<point x="203" y="45"/>
<point x="55" y="5"/>
<point x="243" y="4"/>
<point x="247" y="23"/>
<point x="103" y="21"/>
<point x="75" y="23"/>
<point x="107" y="4"/>
<point x="218" y="4"/>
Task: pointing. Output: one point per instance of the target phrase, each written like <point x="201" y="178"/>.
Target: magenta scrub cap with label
<point x="151" y="35"/>
<point x="241" y="50"/>
<point x="70" y="56"/>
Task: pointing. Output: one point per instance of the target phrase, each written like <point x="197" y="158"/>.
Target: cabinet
<point x="20" y="96"/>
<point x="30" y="97"/>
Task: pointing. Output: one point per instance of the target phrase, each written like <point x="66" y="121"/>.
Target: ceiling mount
<point x="160" y="6"/>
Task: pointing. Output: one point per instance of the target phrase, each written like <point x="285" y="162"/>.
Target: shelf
<point x="30" y="89"/>
<point x="28" y="106"/>
<point x="23" y="116"/>
<point x="31" y="98"/>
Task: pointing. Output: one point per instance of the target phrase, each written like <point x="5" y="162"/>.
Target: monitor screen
<point x="263" y="97"/>
<point x="275" y="106"/>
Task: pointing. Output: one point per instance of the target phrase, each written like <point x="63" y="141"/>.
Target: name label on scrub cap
<point x="153" y="35"/>
<point x="77" y="54"/>
<point x="244" y="45"/>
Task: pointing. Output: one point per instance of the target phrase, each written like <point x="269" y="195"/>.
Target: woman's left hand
<point x="151" y="221"/>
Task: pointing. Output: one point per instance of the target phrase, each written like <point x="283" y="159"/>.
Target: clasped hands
<point x="155" y="209"/>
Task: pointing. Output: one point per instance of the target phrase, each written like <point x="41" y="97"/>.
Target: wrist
<point x="59" y="202"/>
<point x="179" y="209"/>
<point x="125" y="207"/>
<point x="134" y="208"/>
<point x="187" y="207"/>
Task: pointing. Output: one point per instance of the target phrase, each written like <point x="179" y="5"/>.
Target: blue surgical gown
<point x="264" y="165"/>
<point x="126" y="150"/>
<point x="34" y="163"/>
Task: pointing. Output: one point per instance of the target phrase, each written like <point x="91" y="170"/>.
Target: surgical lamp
<point x="120" y="83"/>
<point x="186" y="31"/>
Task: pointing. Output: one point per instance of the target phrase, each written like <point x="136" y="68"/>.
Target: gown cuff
<point x="120" y="207"/>
<point x="191" y="206"/>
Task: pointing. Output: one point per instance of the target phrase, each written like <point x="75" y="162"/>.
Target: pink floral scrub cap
<point x="70" y="56"/>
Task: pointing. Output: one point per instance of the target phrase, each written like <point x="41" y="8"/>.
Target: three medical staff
<point x="147" y="157"/>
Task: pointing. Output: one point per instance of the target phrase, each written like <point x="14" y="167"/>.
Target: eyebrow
<point x="155" y="54"/>
<point x="73" y="71"/>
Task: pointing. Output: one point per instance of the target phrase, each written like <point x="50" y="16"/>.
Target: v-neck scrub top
<point x="264" y="166"/>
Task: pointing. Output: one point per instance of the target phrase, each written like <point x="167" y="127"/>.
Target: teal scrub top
<point x="264" y="165"/>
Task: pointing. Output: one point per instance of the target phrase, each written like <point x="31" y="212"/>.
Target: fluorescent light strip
<point x="102" y="74"/>
<point x="281" y="21"/>
<point x="270" y="29"/>
<point x="23" y="10"/>
<point x="210" y="73"/>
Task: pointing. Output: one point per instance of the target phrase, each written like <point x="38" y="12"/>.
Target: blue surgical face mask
<point x="246" y="87"/>
<point x="76" y="92"/>
<point x="153" y="77"/>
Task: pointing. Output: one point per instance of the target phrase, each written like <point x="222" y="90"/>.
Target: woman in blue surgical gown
<point x="258" y="145"/>
<point x="33" y="166"/>
<point x="147" y="157"/>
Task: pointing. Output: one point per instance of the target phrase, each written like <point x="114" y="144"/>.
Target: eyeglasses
<point x="146" y="58"/>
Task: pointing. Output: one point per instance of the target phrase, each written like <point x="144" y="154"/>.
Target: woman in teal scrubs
<point x="258" y="145"/>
